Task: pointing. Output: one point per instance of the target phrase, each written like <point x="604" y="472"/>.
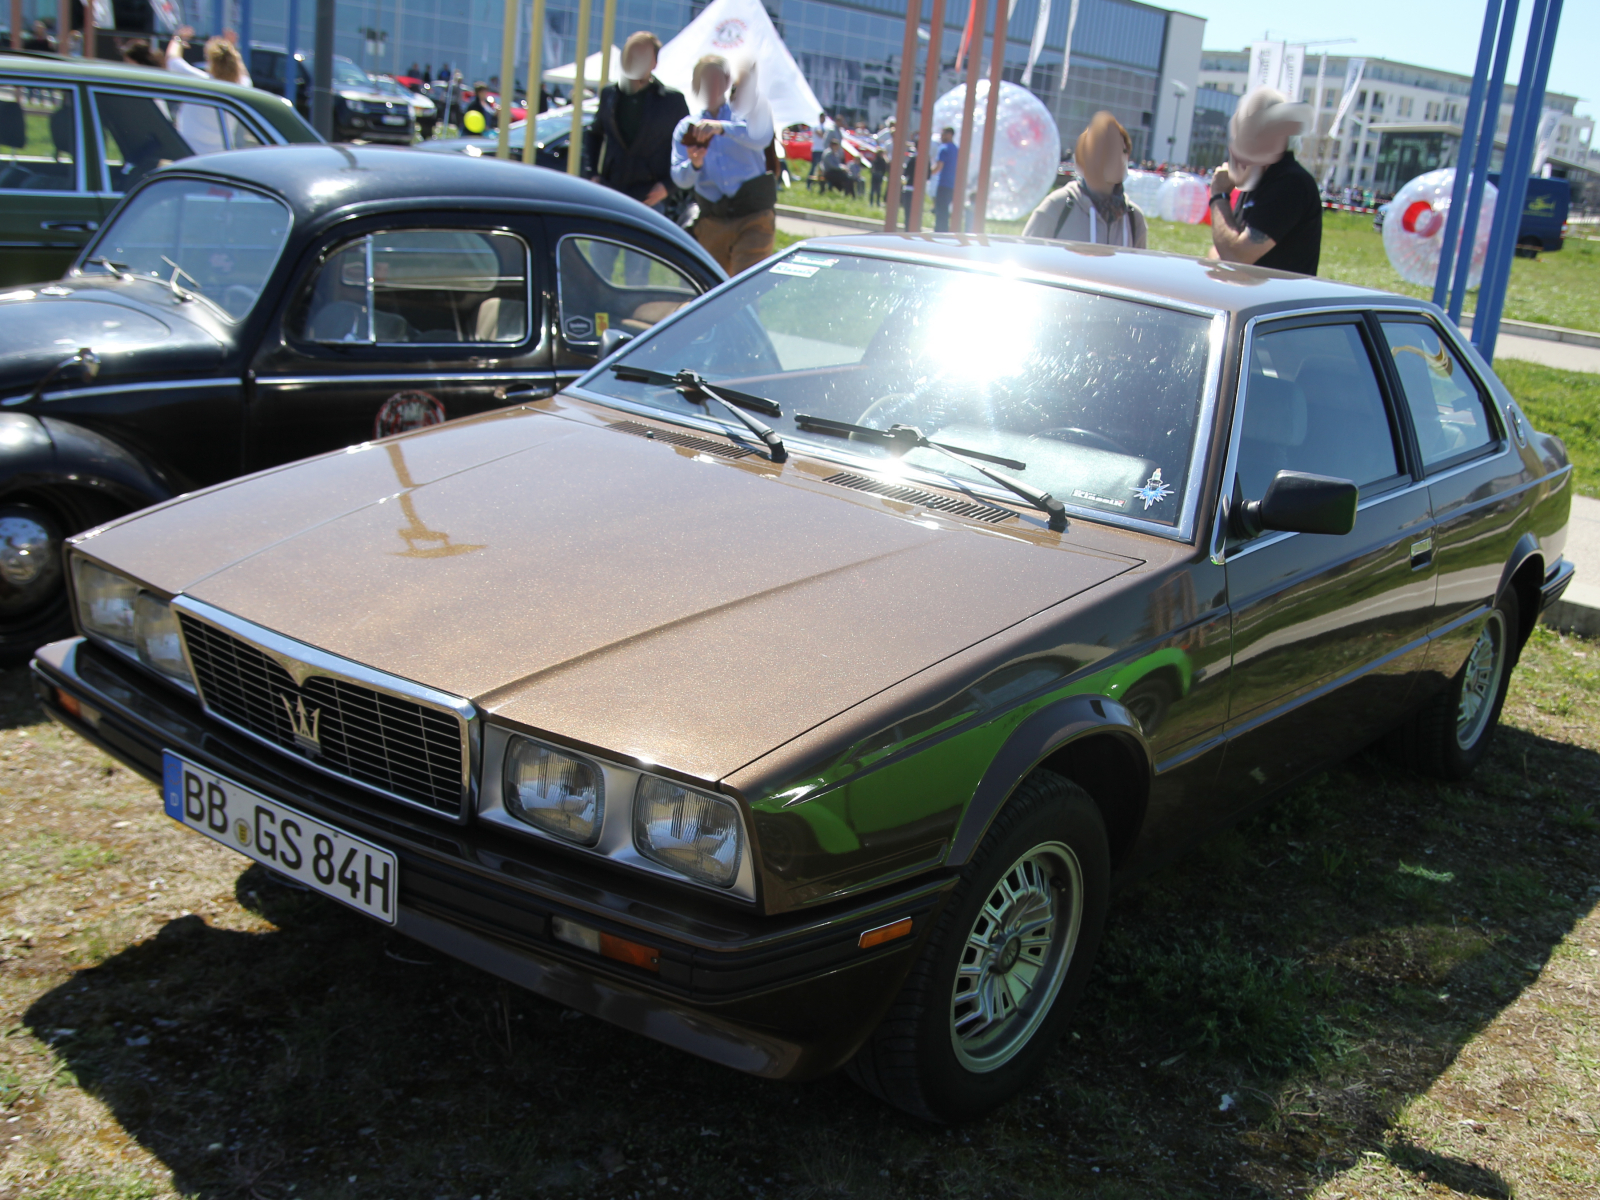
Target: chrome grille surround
<point x="401" y="740"/>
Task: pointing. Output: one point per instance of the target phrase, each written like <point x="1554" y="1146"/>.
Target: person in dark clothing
<point x="629" y="146"/>
<point x="482" y="104"/>
<point x="944" y="177"/>
<point x="880" y="168"/>
<point x="908" y="175"/>
<point x="1278" y="219"/>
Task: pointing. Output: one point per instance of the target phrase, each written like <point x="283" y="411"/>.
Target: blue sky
<point x="1441" y="34"/>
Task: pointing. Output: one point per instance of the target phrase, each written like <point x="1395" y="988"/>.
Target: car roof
<point x="1229" y="287"/>
<point x="318" y="179"/>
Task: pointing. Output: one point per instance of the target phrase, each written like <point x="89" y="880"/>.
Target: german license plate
<point x="327" y="860"/>
<point x="394" y="120"/>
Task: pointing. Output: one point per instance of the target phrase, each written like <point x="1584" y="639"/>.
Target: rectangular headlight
<point x="552" y="791"/>
<point x="105" y="601"/>
<point x="157" y="638"/>
<point x="688" y="831"/>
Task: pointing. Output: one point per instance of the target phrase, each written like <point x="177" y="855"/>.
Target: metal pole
<point x="291" y="77"/>
<point x="902" y="113"/>
<point x="63" y="26"/>
<point x="1316" y="109"/>
<point x="930" y="85"/>
<point x="608" y="31"/>
<point x="1515" y="167"/>
<point x="508" y="68"/>
<point x="244" y="30"/>
<point x="1484" y="147"/>
<point x="997" y="64"/>
<point x="16" y="24"/>
<point x="322" y="72"/>
<point x="217" y="19"/>
<point x="958" y="205"/>
<point x="575" y="145"/>
<point x="535" y="80"/>
<point x="1469" y="134"/>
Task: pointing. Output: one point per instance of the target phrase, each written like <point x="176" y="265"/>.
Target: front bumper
<point x="1555" y="582"/>
<point x="782" y="997"/>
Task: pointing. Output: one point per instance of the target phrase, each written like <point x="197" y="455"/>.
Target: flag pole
<point x="997" y="63"/>
<point x="508" y="69"/>
<point x="976" y="17"/>
<point x="930" y="85"/>
<point x="535" y="80"/>
<point x="575" y="143"/>
<point x="902" y="113"/>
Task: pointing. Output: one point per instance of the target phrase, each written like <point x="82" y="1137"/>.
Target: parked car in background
<point x="75" y="134"/>
<point x="423" y="109"/>
<point x="552" y="136"/>
<point x="794" y="687"/>
<point x="361" y="110"/>
<point x="260" y="306"/>
<point x="1544" y="214"/>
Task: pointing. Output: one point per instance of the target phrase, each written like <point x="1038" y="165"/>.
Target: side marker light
<point x="885" y="933"/>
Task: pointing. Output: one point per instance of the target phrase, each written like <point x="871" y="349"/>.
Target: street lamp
<point x="1179" y="91"/>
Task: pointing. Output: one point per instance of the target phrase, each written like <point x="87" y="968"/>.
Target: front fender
<point x="46" y="452"/>
<point x="1049" y="732"/>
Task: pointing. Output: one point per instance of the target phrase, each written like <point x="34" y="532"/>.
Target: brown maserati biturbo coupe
<point x="795" y="686"/>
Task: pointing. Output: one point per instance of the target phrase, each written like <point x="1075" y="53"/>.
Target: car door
<point x="400" y="323"/>
<point x="612" y="277"/>
<point x="1474" y="477"/>
<point x="47" y="208"/>
<point x="136" y="131"/>
<point x="1329" y="632"/>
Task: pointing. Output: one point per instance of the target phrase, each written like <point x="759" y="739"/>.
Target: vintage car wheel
<point x="1007" y="959"/>
<point x="33" y="593"/>
<point x="1448" y="736"/>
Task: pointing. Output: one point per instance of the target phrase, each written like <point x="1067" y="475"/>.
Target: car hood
<point x="620" y="592"/>
<point x="41" y="326"/>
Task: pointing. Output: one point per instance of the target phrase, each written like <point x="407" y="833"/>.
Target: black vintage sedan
<point x="795" y="686"/>
<point x="246" y="309"/>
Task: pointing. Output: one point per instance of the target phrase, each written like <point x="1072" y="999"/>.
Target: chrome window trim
<point x="302" y="661"/>
<point x="117" y="389"/>
<point x="81" y="183"/>
<point x="594" y="237"/>
<point x="530" y="335"/>
<point x="168" y="90"/>
<point x="532" y="378"/>
<point x="1219" y="529"/>
<point x="615" y="842"/>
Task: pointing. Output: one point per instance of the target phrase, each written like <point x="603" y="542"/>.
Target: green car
<point x="76" y="134"/>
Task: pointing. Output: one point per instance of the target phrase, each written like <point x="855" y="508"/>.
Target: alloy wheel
<point x="1480" y="682"/>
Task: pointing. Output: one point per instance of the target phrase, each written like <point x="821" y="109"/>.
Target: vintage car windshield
<point x="218" y="241"/>
<point x="1099" y="396"/>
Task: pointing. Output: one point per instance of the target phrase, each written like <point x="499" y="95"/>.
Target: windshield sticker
<point x="811" y="260"/>
<point x="1154" y="490"/>
<point x="407" y="410"/>
<point x="1081" y="495"/>
<point x="790" y="268"/>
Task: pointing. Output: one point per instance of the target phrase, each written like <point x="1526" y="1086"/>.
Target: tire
<point x="1451" y="733"/>
<point x="1045" y="859"/>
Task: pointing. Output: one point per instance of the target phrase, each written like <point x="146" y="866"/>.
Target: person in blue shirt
<point x="943" y="173"/>
<point x="727" y="157"/>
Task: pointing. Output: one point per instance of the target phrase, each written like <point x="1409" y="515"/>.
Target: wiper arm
<point x="120" y="270"/>
<point x="692" y="387"/>
<point x="901" y="439"/>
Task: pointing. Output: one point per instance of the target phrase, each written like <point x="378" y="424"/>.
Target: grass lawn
<point x="1565" y="403"/>
<point x="1554" y="289"/>
<point x="1381" y="986"/>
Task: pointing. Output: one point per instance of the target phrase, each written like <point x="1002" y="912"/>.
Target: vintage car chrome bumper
<point x="1555" y="582"/>
<point x="783" y="997"/>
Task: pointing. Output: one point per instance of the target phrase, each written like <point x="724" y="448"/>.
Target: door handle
<point x="70" y="226"/>
<point x="1421" y="553"/>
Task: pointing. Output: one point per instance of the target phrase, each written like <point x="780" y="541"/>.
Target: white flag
<point x="1266" y="64"/>
<point x="1037" y="45"/>
<point x="1353" y="71"/>
<point x="1066" y="51"/>
<point x="1290" y="70"/>
<point x="1549" y="120"/>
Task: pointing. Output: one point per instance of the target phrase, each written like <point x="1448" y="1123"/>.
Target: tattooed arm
<point x="1235" y="241"/>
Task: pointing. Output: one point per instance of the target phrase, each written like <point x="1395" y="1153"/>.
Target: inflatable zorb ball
<point x="1413" y="228"/>
<point x="1144" y="189"/>
<point x="1182" y="198"/>
<point x="1027" y="147"/>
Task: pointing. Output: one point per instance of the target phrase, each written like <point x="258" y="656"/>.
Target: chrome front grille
<point x="390" y="743"/>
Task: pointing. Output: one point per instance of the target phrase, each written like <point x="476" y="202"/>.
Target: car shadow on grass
<point x="1261" y="1013"/>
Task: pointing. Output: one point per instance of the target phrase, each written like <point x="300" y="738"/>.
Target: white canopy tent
<point x="567" y="74"/>
<point x="741" y="30"/>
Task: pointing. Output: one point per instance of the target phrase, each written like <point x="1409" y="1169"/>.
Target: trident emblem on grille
<point x="307" y="727"/>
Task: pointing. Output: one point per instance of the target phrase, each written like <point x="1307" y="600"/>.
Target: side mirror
<point x="1299" y="502"/>
<point x="613" y="340"/>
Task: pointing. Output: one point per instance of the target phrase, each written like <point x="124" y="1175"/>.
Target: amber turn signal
<point x="69" y="704"/>
<point x="885" y="933"/>
<point x="631" y="953"/>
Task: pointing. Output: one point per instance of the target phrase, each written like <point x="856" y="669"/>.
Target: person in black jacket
<point x="629" y="146"/>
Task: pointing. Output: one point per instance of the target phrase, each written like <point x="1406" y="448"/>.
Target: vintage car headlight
<point x="157" y="638"/>
<point x="691" y="832"/>
<point x="555" y="792"/>
<point x="105" y="601"/>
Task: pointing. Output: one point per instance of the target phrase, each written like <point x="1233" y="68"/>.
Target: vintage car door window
<point x="46" y="212"/>
<point x="602" y="284"/>
<point x="38" y="139"/>
<point x="139" y="133"/>
<point x="422" y="287"/>
<point x="1447" y="407"/>
<point x="218" y="241"/>
<point x="1329" y="633"/>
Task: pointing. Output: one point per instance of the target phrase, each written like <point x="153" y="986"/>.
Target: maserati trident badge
<point x="307" y="725"/>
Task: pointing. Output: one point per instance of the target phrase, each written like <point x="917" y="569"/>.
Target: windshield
<point x="1098" y="396"/>
<point x="226" y="240"/>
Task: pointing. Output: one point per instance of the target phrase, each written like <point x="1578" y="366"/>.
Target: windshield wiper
<point x="901" y="439"/>
<point x="690" y="386"/>
<point x="120" y="270"/>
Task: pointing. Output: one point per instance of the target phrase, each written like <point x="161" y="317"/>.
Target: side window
<point x="240" y="136"/>
<point x="422" y="286"/>
<point x="141" y="133"/>
<point x="606" y="285"/>
<point x="1312" y="403"/>
<point x="1446" y="406"/>
<point x="38" y="139"/>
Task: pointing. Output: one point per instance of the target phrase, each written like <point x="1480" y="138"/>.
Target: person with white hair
<point x="1278" y="219"/>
